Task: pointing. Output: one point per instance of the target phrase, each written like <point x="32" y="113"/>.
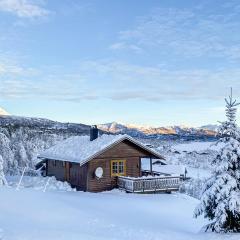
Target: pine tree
<point x="3" y="180"/>
<point x="220" y="201"/>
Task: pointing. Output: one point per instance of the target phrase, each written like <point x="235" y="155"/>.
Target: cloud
<point x="190" y="32"/>
<point x="23" y="8"/>
<point x="6" y="69"/>
<point x="122" y="45"/>
<point x="117" y="81"/>
<point x="9" y="67"/>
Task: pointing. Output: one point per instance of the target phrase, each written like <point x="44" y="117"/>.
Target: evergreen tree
<point x="3" y="180"/>
<point x="220" y="201"/>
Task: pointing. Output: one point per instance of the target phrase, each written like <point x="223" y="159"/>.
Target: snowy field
<point x="29" y="214"/>
<point x="195" y="156"/>
<point x="197" y="147"/>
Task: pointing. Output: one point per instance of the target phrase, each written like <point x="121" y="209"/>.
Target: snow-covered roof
<point x="80" y="149"/>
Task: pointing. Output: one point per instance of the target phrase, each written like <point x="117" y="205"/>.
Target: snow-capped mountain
<point x="211" y="127"/>
<point x="3" y="112"/>
<point x="135" y="130"/>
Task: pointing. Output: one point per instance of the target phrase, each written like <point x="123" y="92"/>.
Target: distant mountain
<point x="210" y="127"/>
<point x="175" y="131"/>
<point x="41" y="124"/>
<point x="3" y="112"/>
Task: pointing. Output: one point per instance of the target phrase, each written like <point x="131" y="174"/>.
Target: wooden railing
<point x="148" y="184"/>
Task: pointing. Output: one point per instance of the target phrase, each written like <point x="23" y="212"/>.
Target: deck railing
<point x="148" y="184"/>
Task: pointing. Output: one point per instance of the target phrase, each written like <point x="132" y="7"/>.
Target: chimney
<point x="93" y="132"/>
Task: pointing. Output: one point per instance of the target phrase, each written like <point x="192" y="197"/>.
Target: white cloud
<point x="122" y="45"/>
<point x="23" y="8"/>
<point x="117" y="81"/>
<point x="9" y="69"/>
<point x="189" y="32"/>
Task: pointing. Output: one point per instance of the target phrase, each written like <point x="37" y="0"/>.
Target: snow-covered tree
<point x="3" y="180"/>
<point x="220" y="201"/>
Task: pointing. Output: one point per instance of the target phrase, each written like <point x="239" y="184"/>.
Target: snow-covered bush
<point x="40" y="183"/>
<point x="220" y="201"/>
<point x="193" y="187"/>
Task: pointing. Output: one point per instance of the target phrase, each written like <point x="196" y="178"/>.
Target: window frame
<point x="118" y="161"/>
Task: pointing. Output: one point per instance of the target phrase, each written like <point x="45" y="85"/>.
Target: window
<point x="118" y="168"/>
<point x="54" y="163"/>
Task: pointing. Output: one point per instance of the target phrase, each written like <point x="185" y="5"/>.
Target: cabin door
<point x="67" y="171"/>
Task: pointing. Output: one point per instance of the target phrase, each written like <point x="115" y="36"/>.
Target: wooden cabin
<point x="94" y="163"/>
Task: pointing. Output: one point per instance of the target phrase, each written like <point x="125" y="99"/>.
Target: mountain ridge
<point x="131" y="129"/>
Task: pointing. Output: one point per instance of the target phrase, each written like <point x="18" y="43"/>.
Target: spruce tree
<point x="220" y="201"/>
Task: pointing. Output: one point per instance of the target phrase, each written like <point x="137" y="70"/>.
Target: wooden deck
<point x="149" y="184"/>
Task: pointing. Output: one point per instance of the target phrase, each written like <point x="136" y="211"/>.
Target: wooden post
<point x="67" y="171"/>
<point x="140" y="166"/>
<point x="151" y="166"/>
<point x="46" y="171"/>
<point x="20" y="181"/>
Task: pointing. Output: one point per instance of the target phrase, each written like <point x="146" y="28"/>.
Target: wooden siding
<point x="73" y="173"/>
<point x="124" y="150"/>
<point x="78" y="176"/>
<point x="55" y="168"/>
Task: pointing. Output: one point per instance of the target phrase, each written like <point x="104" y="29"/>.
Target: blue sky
<point x="147" y="62"/>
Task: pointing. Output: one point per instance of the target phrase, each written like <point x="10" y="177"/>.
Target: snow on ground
<point x="197" y="147"/>
<point x="169" y="169"/>
<point x="195" y="156"/>
<point x="198" y="173"/>
<point x="33" y="214"/>
<point x="38" y="183"/>
<point x="202" y="162"/>
<point x="178" y="169"/>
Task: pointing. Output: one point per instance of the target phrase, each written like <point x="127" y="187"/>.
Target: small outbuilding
<point x="94" y="163"/>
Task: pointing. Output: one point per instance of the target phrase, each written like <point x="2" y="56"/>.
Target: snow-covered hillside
<point x="198" y="147"/>
<point x="33" y="214"/>
<point x="196" y="157"/>
<point x="30" y="214"/>
<point x="21" y="139"/>
<point x="192" y="154"/>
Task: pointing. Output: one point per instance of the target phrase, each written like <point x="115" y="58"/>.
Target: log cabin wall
<point x="124" y="150"/>
<point x="56" y="169"/>
<point x="76" y="174"/>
